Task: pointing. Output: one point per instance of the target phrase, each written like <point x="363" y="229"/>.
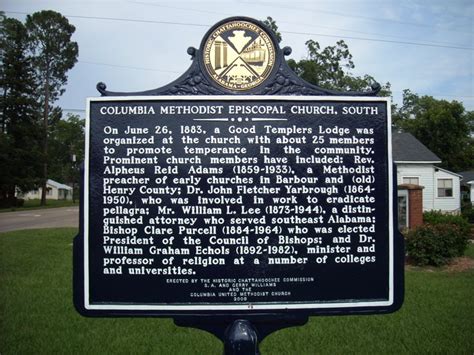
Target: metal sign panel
<point x="240" y="204"/>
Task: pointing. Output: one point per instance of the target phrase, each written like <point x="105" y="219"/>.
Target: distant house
<point x="54" y="191"/>
<point x="467" y="185"/>
<point x="416" y="166"/>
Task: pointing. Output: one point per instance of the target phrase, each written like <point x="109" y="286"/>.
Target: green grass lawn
<point x="35" y="204"/>
<point x="37" y="315"/>
<point x="470" y="251"/>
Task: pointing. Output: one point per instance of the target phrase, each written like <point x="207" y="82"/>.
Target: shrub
<point x="4" y="203"/>
<point x="11" y="202"/>
<point x="435" y="244"/>
<point x="467" y="211"/>
<point x="437" y="217"/>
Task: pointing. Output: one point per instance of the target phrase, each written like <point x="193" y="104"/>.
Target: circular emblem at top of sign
<point x="239" y="55"/>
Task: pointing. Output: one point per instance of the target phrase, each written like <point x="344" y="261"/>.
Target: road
<point x="43" y="218"/>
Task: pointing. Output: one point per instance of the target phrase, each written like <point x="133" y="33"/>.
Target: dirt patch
<point x="460" y="264"/>
<point x="456" y="265"/>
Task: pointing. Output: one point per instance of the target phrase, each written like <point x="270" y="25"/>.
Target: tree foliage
<point x="67" y="150"/>
<point x="444" y="127"/>
<point x="52" y="51"/>
<point x="272" y="25"/>
<point x="330" y="68"/>
<point x="35" y="58"/>
<point x="19" y="139"/>
<point x="53" y="54"/>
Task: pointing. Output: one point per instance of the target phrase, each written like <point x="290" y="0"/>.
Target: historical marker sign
<point x="238" y="199"/>
<point x="238" y="203"/>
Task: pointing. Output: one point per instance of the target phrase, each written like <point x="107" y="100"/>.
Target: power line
<point x="369" y="33"/>
<point x="295" y="8"/>
<point x="380" y="40"/>
<point x="335" y="13"/>
<point x="121" y="19"/>
<point x="290" y="32"/>
<point x="128" y="67"/>
<point x="446" y="95"/>
<point x="439" y="95"/>
<point x="177" y="72"/>
<point x="288" y="22"/>
<point x="180" y="8"/>
<point x="73" y="109"/>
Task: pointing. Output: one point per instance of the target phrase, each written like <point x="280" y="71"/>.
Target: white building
<point x="416" y="165"/>
<point x="54" y="191"/>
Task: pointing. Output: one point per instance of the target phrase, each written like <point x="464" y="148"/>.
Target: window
<point x="445" y="187"/>
<point x="411" y="180"/>
<point x="402" y="209"/>
<point x="49" y="191"/>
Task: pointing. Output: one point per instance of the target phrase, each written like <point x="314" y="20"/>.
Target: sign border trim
<point x="242" y="306"/>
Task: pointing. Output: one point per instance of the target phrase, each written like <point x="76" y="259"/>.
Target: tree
<point x="330" y="68"/>
<point x="271" y="24"/>
<point x="444" y="127"/>
<point x="53" y="55"/>
<point x="67" y="148"/>
<point x="19" y="139"/>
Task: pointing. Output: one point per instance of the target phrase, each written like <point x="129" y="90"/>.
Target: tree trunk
<point x="45" y="139"/>
<point x="11" y="196"/>
<point x="4" y="123"/>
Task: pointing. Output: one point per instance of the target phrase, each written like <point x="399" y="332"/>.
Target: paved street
<point x="45" y="218"/>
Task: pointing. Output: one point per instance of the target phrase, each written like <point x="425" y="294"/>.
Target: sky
<point x="135" y="45"/>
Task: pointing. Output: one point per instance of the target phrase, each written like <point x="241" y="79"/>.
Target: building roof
<point x="407" y="149"/>
<point x="437" y="168"/>
<point x="467" y="177"/>
<point x="58" y="185"/>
